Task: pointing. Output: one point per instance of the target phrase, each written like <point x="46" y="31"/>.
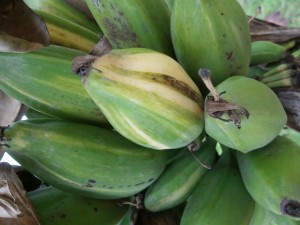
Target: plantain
<point x="67" y="26"/>
<point x="56" y="207"/>
<point x="263" y="52"/>
<point x="220" y="198"/>
<point x="180" y="177"/>
<point x="43" y="81"/>
<point x="271" y="176"/>
<point x="83" y="159"/>
<point x="134" y="23"/>
<point x="211" y="34"/>
<point x="146" y="96"/>
<point x="263" y="216"/>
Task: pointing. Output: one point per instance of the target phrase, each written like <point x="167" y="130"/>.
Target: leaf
<point x="281" y="12"/>
<point x="264" y="30"/>
<point x="21" y="30"/>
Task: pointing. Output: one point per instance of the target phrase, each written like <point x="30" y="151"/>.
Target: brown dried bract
<point x="234" y="112"/>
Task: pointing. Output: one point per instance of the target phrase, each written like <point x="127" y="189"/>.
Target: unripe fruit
<point x="147" y="97"/>
<point x="248" y="115"/>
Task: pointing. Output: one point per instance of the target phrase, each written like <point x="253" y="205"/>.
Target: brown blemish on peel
<point x="180" y="86"/>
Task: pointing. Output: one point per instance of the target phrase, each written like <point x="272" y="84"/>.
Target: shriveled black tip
<point x="204" y="73"/>
<point x="290" y="207"/>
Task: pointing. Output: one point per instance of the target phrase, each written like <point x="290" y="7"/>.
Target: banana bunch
<point x="137" y="139"/>
<point x="275" y="65"/>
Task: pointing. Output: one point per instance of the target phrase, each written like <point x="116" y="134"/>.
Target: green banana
<point x="43" y="81"/>
<point x="220" y="198"/>
<point x="146" y="96"/>
<point x="211" y="34"/>
<point x="83" y="159"/>
<point x="262" y="216"/>
<point x="56" y="207"/>
<point x="179" y="179"/>
<point x="265" y="52"/>
<point x="134" y="23"/>
<point x="170" y="4"/>
<point x="272" y="177"/>
<point x="69" y="34"/>
<point x="61" y="9"/>
<point x="67" y="26"/>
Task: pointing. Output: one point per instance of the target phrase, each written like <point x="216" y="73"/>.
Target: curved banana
<point x="56" y="207"/>
<point x="43" y="81"/>
<point x="271" y="176"/>
<point x="134" y="23"/>
<point x="179" y="179"/>
<point x="83" y="159"/>
<point x="220" y="198"/>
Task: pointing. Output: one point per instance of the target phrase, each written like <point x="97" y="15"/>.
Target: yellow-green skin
<point x="211" y="34"/>
<point x="267" y="115"/>
<point x="147" y="97"/>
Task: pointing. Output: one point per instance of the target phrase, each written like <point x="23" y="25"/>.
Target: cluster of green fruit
<point x="134" y="130"/>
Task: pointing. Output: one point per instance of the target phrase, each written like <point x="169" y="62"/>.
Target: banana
<point x="134" y="23"/>
<point x="170" y="4"/>
<point x="220" y="198"/>
<point x="56" y="207"/>
<point x="67" y="26"/>
<point x="69" y="34"/>
<point x="263" y="52"/>
<point x="83" y="159"/>
<point x="145" y="95"/>
<point x="272" y="177"/>
<point x="262" y="216"/>
<point x="211" y="34"/>
<point x="43" y="81"/>
<point x="179" y="179"/>
<point x="60" y="8"/>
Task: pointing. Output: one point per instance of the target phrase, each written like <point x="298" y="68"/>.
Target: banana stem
<point x="205" y="75"/>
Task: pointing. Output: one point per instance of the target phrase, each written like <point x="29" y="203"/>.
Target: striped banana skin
<point x="43" y="81"/>
<point x="69" y="34"/>
<point x="84" y="159"/>
<point x="147" y="97"/>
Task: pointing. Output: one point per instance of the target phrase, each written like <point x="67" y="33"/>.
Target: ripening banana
<point x="67" y="26"/>
<point x="83" y="159"/>
<point x="146" y="96"/>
